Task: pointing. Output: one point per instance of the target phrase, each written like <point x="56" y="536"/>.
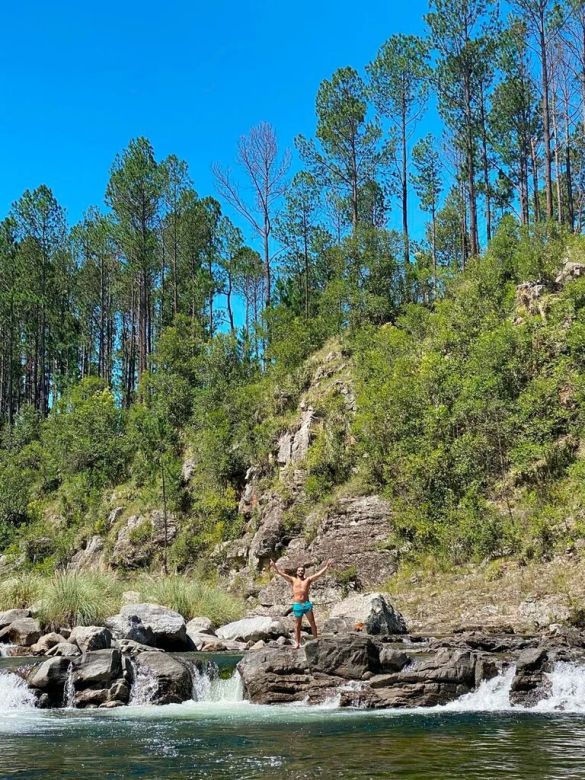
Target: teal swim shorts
<point x="299" y="608"/>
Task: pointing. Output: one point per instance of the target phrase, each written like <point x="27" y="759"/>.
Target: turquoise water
<point x="196" y="741"/>
<point x="219" y="736"/>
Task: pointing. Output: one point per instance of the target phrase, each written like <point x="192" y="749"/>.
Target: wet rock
<point x="530" y="683"/>
<point x="428" y="682"/>
<point x="171" y="678"/>
<point x="97" y="669"/>
<point x="119" y="692"/>
<point x="276" y="675"/>
<point x="369" y="612"/>
<point x="50" y="678"/>
<point x="252" y="629"/>
<point x="91" y="638"/>
<point x="393" y="660"/>
<point x="348" y="657"/>
<point x="24" y="631"/>
<point x="90" y="697"/>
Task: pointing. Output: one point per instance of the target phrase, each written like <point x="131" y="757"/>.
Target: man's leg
<point x="298" y="622"/>
<point x="311" y="619"/>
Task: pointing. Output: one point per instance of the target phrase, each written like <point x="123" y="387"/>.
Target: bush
<point x="191" y="598"/>
<point x="79" y="599"/>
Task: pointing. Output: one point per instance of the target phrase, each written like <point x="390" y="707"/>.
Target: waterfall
<point x="5" y="650"/>
<point x="567" y="693"/>
<point x="14" y="693"/>
<point x="144" y="685"/>
<point x="209" y="686"/>
<point x="69" y="690"/>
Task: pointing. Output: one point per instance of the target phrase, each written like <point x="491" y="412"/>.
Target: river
<point x="218" y="735"/>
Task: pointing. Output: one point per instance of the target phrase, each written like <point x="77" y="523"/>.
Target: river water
<point x="221" y="736"/>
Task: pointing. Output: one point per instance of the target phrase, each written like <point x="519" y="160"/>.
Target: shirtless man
<point x="301" y="604"/>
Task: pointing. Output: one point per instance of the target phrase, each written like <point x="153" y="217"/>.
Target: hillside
<point x="449" y="438"/>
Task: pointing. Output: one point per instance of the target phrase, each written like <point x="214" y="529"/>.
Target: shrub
<point x="191" y="598"/>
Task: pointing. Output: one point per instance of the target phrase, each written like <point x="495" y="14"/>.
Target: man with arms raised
<point x="301" y="604"/>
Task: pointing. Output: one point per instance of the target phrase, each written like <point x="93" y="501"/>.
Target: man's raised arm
<point x="280" y="572"/>
<point x="322" y="571"/>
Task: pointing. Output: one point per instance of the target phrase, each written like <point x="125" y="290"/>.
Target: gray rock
<point x="92" y="556"/>
<point x="369" y="612"/>
<point x="171" y="678"/>
<point x="348" y="657"/>
<point x="276" y="675"/>
<point x="97" y="669"/>
<point x="90" y="697"/>
<point x="130" y="627"/>
<point x="201" y="625"/>
<point x="393" y="660"/>
<point x="91" y="638"/>
<point x="530" y="683"/>
<point x="10" y="615"/>
<point x="252" y="629"/>
<point x="64" y="649"/>
<point x="120" y="691"/>
<point x="168" y="627"/>
<point x="46" y="642"/>
<point x="50" y="678"/>
<point x="132" y="648"/>
<point x="24" y="632"/>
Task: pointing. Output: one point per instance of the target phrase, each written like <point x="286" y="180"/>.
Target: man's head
<point x="301" y="572"/>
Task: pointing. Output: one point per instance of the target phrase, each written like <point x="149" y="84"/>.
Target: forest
<point x="167" y="321"/>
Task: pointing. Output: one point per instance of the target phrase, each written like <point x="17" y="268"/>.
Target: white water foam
<point x="14" y="693"/>
<point x="567" y="693"/>
<point x="5" y="650"/>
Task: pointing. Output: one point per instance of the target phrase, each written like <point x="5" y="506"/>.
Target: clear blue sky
<point x="78" y="80"/>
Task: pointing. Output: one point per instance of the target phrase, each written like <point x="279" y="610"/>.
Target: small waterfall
<point x="14" y="693"/>
<point x="492" y="695"/>
<point x="144" y="685"/>
<point x="5" y="650"/>
<point x="69" y="690"/>
<point x="568" y="689"/>
<point x="209" y="686"/>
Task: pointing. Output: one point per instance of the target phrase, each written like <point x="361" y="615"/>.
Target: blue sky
<point x="79" y="80"/>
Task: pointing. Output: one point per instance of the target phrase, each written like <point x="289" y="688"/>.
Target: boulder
<point x="348" y="657"/>
<point x="393" y="660"/>
<point x="46" y="642"/>
<point x="91" y="638"/>
<point x="97" y="669"/>
<point x="201" y="625"/>
<point x="530" y="683"/>
<point x="50" y="678"/>
<point x="428" y="682"/>
<point x="170" y="679"/>
<point x="64" y="649"/>
<point x="251" y="629"/>
<point x="369" y="612"/>
<point x="131" y="628"/>
<point x="90" y="697"/>
<point x="276" y="675"/>
<point x="10" y="615"/>
<point x="132" y="648"/>
<point x="169" y="630"/>
<point x="24" y="631"/>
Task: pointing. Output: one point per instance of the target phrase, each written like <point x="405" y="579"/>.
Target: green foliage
<point x="78" y="599"/>
<point x="192" y="598"/>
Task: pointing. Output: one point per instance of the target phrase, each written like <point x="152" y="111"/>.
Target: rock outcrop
<point x="252" y="629"/>
<point x="169" y="679"/>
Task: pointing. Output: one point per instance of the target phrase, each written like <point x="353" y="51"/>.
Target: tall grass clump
<point x="79" y="598"/>
<point x="20" y="591"/>
<point x="192" y="598"/>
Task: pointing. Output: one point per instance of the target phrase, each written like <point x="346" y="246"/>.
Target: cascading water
<point x="144" y="686"/>
<point x="209" y="686"/>
<point x="69" y="691"/>
<point x="567" y="693"/>
<point x="5" y="650"/>
<point x="14" y="693"/>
